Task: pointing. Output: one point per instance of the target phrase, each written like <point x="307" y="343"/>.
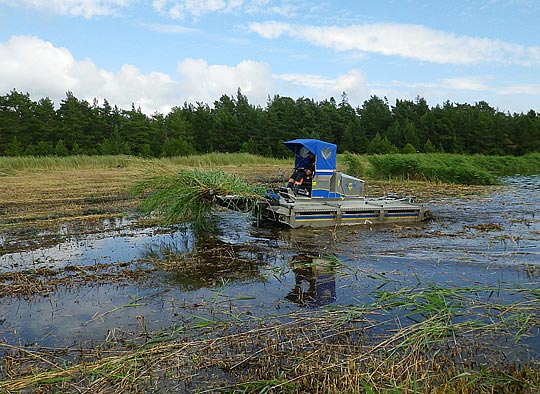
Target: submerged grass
<point x="339" y="349"/>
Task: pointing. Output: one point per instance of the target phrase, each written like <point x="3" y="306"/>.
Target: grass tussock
<point x="441" y="347"/>
<point x="190" y="195"/>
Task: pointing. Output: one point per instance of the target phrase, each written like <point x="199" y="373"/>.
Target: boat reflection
<point x="315" y="281"/>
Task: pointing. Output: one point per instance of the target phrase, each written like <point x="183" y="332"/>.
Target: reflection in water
<point x="210" y="263"/>
<point x="315" y="281"/>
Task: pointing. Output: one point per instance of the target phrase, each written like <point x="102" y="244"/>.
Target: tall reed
<point x="448" y="168"/>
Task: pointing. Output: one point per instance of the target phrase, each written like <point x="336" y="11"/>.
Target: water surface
<point x="487" y="241"/>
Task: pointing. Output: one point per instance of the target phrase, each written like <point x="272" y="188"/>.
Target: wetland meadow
<point x="95" y="297"/>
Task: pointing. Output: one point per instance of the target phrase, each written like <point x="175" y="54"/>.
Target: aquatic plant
<point x="431" y="167"/>
<point x="443" y="167"/>
<point x="190" y="195"/>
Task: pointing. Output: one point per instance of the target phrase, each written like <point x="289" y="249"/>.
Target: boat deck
<point x="350" y="204"/>
<point x="314" y="212"/>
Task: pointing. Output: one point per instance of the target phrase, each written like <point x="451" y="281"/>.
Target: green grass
<point x="438" y="167"/>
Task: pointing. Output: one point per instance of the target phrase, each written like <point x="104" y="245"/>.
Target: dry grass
<point x="65" y="195"/>
<point x="46" y="196"/>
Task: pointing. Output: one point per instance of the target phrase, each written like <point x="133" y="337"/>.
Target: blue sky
<point x="161" y="53"/>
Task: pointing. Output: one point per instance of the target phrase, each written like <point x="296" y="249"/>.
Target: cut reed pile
<point x="190" y="195"/>
<point x="43" y="281"/>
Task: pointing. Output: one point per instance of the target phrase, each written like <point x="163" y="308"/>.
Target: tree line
<point x="232" y="124"/>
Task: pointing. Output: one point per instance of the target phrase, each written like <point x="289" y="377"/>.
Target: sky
<point x="158" y="54"/>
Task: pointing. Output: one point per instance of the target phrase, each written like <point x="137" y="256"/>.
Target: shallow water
<point x="491" y="240"/>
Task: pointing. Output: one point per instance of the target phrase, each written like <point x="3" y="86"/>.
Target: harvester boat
<point x="331" y="198"/>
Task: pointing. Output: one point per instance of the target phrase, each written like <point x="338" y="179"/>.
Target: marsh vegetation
<point x="97" y="298"/>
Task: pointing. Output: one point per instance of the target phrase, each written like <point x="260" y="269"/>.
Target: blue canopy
<point x="325" y="153"/>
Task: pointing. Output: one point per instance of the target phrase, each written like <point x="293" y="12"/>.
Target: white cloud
<point x="285" y="9"/>
<point x="461" y="84"/>
<point x="407" y="41"/>
<point x="85" y="8"/>
<point x="532" y="89"/>
<point x="353" y="83"/>
<point x="208" y="82"/>
<point x="175" y="9"/>
<point x="42" y="69"/>
<point x="36" y="65"/>
<point x="307" y="80"/>
<point x="271" y="29"/>
<point x="179" y="9"/>
<point x="172" y="29"/>
<point x="464" y="84"/>
<point x="32" y="65"/>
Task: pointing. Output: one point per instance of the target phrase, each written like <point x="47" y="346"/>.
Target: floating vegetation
<point x="338" y="349"/>
<point x="190" y="195"/>
<point x="43" y="281"/>
<point x="485" y="227"/>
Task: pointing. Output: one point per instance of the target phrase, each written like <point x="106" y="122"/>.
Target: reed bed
<point x="216" y="159"/>
<point x="439" y="167"/>
<point x="340" y="349"/>
<point x="448" y="168"/>
<point x="15" y="165"/>
<point x="241" y="161"/>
